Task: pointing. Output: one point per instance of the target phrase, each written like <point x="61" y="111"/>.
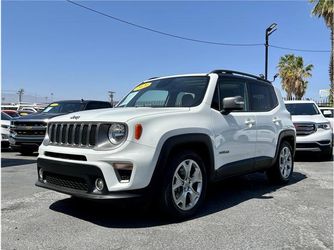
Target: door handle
<point x="250" y="122"/>
<point x="276" y="120"/>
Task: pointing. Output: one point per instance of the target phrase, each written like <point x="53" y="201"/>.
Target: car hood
<point x="38" y="116"/>
<point x="116" y="114"/>
<point x="308" y="118"/>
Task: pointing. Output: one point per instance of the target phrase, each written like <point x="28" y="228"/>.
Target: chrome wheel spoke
<point x="177" y="182"/>
<point x="193" y="196"/>
<point x="182" y="199"/>
<point x="197" y="176"/>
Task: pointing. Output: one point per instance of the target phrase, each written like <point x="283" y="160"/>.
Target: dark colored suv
<point x="27" y="133"/>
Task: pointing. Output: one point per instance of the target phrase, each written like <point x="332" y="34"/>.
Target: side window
<point x="181" y="97"/>
<point x="232" y="88"/>
<point x="215" y="100"/>
<point x="273" y="98"/>
<point x="262" y="97"/>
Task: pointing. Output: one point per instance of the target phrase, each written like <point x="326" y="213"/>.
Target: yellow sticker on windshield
<point x="54" y="104"/>
<point x="142" y="86"/>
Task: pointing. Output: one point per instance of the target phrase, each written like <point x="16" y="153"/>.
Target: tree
<point x="293" y="74"/>
<point x="325" y="9"/>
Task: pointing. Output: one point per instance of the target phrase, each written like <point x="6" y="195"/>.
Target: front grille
<point x="66" y="156"/>
<point x="31" y="132"/>
<point x="29" y="123"/>
<point x="66" y="181"/>
<point x="303" y="129"/>
<point x="29" y="128"/>
<point x="73" y="134"/>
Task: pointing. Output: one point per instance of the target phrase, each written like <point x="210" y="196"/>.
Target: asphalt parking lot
<point x="240" y="213"/>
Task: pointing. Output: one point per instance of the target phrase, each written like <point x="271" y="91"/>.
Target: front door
<point x="234" y="133"/>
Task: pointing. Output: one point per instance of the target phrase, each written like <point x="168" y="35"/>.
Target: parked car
<point x="5" y="124"/>
<point x="314" y="131"/>
<point x="28" y="132"/>
<point x="328" y="113"/>
<point x="168" y="138"/>
<point x="11" y="113"/>
<point x="25" y="112"/>
<point x="30" y="109"/>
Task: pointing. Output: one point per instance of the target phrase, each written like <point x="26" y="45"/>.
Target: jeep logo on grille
<point x="75" y="117"/>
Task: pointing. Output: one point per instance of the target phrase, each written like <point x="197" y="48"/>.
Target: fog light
<point x="123" y="171"/>
<point x="99" y="184"/>
<point x="40" y="174"/>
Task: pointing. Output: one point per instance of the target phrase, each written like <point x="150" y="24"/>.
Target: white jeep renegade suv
<point x="168" y="138"/>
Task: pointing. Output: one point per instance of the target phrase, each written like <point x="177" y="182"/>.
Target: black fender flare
<point x="288" y="133"/>
<point x="179" y="140"/>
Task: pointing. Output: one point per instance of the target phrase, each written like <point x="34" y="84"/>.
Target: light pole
<point x="20" y="93"/>
<point x="269" y="31"/>
<point x="111" y="97"/>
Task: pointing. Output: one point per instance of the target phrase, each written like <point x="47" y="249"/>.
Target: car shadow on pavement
<point x="220" y="196"/>
<point x="11" y="162"/>
<point x="16" y="158"/>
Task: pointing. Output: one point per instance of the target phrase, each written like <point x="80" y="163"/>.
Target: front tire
<point x="282" y="169"/>
<point x="184" y="188"/>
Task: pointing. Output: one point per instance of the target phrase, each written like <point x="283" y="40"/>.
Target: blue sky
<point x="56" y="47"/>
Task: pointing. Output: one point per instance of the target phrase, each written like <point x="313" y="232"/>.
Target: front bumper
<point x="32" y="142"/>
<point x="319" y="141"/>
<point x="314" y="146"/>
<point x="78" y="180"/>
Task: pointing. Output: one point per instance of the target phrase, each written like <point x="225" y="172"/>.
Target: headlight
<point x="325" y="125"/>
<point x="4" y="126"/>
<point x="117" y="133"/>
<point x="46" y="140"/>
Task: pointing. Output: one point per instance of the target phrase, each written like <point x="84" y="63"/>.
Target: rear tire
<point x="282" y="169"/>
<point x="184" y="187"/>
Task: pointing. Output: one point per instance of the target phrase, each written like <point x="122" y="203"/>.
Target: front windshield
<point x="185" y="91"/>
<point x="302" y="108"/>
<point x="5" y="117"/>
<point x="14" y="115"/>
<point x="63" y="107"/>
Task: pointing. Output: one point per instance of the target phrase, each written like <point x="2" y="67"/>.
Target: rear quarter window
<point x="262" y="97"/>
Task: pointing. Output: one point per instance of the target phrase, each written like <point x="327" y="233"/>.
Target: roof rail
<point x="233" y="72"/>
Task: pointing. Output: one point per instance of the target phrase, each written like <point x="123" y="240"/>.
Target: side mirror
<point x="232" y="104"/>
<point x="327" y="113"/>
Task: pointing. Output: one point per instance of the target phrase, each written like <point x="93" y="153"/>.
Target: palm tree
<point x="293" y="73"/>
<point x="325" y="9"/>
